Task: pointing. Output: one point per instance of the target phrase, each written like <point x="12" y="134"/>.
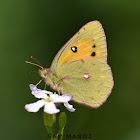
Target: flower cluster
<point x="48" y="100"/>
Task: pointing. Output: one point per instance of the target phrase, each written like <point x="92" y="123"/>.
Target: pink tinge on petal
<point x="39" y="94"/>
<point x="50" y="108"/>
<point x="69" y="107"/>
<point x="61" y="98"/>
<point x="32" y="87"/>
<point x="34" y="107"/>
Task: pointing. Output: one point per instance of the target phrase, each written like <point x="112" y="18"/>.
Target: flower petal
<point x="39" y="94"/>
<point x="32" y="87"/>
<point x="69" y="107"/>
<point x="60" y="98"/>
<point x="50" y="108"/>
<point x="34" y="107"/>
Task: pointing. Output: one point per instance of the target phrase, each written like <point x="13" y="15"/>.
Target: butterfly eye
<point x="74" y="49"/>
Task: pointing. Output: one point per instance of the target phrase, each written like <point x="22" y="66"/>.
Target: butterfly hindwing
<point x="88" y="80"/>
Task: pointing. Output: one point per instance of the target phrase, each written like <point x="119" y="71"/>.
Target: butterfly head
<point x="43" y="72"/>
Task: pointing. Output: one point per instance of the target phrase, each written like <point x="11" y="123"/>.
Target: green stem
<point x="50" y="132"/>
<point x="62" y="131"/>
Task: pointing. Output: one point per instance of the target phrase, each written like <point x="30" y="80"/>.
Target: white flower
<point x="48" y="100"/>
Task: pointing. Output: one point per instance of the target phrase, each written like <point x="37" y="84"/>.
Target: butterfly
<point x="80" y="67"/>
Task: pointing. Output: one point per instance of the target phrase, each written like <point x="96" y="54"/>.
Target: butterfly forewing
<point x="88" y="42"/>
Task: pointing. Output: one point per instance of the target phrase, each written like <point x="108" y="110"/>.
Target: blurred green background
<point x="40" y="29"/>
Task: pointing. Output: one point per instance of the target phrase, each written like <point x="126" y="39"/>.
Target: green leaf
<point x="62" y="120"/>
<point x="49" y="119"/>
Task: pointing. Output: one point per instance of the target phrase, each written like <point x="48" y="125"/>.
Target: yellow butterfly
<point x="80" y="68"/>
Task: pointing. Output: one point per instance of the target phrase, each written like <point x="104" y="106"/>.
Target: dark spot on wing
<point x="93" y="54"/>
<point x="94" y="46"/>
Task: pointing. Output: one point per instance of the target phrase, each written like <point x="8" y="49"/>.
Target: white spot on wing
<point x="73" y="48"/>
<point x="86" y="76"/>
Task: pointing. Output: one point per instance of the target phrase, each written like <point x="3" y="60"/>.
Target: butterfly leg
<point x="45" y="87"/>
<point x="55" y="87"/>
<point x="60" y="90"/>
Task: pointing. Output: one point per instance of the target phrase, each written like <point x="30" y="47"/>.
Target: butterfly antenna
<point x="36" y="61"/>
<point x="34" y="64"/>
